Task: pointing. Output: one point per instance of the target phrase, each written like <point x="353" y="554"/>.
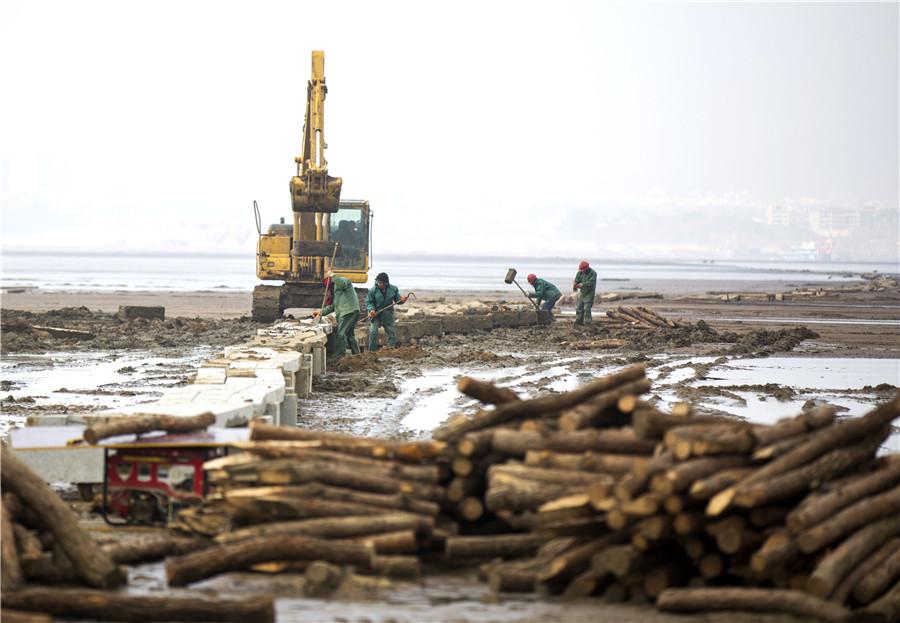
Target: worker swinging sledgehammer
<point x="380" y="303"/>
<point x="546" y="292"/>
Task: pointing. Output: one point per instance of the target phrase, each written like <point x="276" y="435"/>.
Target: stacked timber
<point x="694" y="512"/>
<point x="643" y="317"/>
<point x="294" y="497"/>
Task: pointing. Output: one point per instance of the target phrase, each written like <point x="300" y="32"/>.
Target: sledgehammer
<point x="511" y="278"/>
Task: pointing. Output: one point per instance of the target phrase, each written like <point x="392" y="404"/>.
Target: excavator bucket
<point x="316" y="193"/>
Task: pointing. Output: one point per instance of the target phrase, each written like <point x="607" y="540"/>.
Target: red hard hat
<point x="584" y="265"/>
<point x="531" y="278"/>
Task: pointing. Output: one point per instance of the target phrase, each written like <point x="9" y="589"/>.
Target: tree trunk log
<point x="92" y="564"/>
<point x="846" y="556"/>
<point x="797" y="481"/>
<point x="842" y="591"/>
<point x="587" y="461"/>
<point x="407" y="452"/>
<point x="682" y="475"/>
<point x="820" y="442"/>
<point x="885" y="609"/>
<point x="147" y="423"/>
<point x="846" y="521"/>
<point x="493" y="546"/>
<point x="817" y="507"/>
<point x="527" y="408"/>
<point x="332" y="527"/>
<point x="485" y="391"/>
<point x="239" y="556"/>
<point x="508" y="492"/>
<point x="110" y="606"/>
<point x="880" y="577"/>
<point x="11" y="577"/>
<point x="618" y="440"/>
<point x="154" y="548"/>
<point x="595" y="411"/>
<point x="794" y="427"/>
<point x="752" y="599"/>
<point x="573" y="477"/>
<point x="281" y="449"/>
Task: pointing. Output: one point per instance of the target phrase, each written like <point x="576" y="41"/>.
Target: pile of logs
<point x="616" y="498"/>
<point x="641" y="317"/>
<point x="588" y="492"/>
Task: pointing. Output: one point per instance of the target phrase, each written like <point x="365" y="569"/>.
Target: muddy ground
<point x="366" y="394"/>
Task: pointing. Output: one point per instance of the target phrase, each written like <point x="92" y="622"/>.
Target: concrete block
<point x="432" y="327"/>
<point x="482" y="321"/>
<point x="527" y="318"/>
<point x="543" y="317"/>
<point x="82" y="465"/>
<point x="288" y="411"/>
<point x="318" y="360"/>
<point x="403" y="332"/>
<point x="132" y="312"/>
<point x="506" y="318"/>
<point x="457" y="324"/>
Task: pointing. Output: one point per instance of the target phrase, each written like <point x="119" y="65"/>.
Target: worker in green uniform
<point x="380" y="296"/>
<point x="546" y="292"/>
<point x="346" y="310"/>
<point x="585" y="284"/>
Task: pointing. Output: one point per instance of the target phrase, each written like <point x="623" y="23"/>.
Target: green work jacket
<point x="588" y="280"/>
<point x="544" y="291"/>
<point x="376" y="299"/>
<point x="345" y="299"/>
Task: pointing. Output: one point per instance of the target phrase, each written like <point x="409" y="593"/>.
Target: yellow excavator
<point x="326" y="232"/>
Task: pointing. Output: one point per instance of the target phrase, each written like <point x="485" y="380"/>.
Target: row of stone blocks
<point x="409" y="330"/>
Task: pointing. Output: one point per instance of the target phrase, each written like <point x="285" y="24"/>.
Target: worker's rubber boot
<point x="579" y="322"/>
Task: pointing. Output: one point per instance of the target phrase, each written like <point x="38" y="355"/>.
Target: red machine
<point x="148" y="485"/>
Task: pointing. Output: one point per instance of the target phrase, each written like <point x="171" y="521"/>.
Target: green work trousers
<point x="346" y="328"/>
<point x="583" y="310"/>
<point x="389" y="333"/>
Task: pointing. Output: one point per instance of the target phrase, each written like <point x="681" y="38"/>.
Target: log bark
<point x="394" y="543"/>
<point x="332" y="527"/>
<point x="110" y="606"/>
<point x="485" y="391"/>
<point x="846" y="521"/>
<point x="11" y="577"/>
<point x="415" y="452"/>
<point x="17" y="616"/>
<point x="879" y="578"/>
<point x="752" y="599"/>
<point x="651" y="423"/>
<point x="845" y="557"/>
<point x="885" y="609"/>
<point x="616" y="440"/>
<point x="527" y="408"/>
<point x="30" y="548"/>
<point x="281" y="449"/>
<point x="666" y="576"/>
<point x="574" y="506"/>
<point x="820" y="442"/>
<point x="572" y="562"/>
<point x="794" y="427"/>
<point x="681" y="476"/>
<point x="147" y="423"/>
<point x="691" y="439"/>
<point x="476" y="443"/>
<point x="92" y="564"/>
<point x="596" y="410"/>
<point x="780" y="485"/>
<point x="153" y="548"/>
<point x="400" y="567"/>
<point x="843" y="590"/>
<point x="588" y="461"/>
<point x="239" y="556"/>
<point x="495" y="545"/>
<point x="705" y="488"/>
<point x="507" y="492"/>
<point x="573" y="477"/>
<point x="817" y="507"/>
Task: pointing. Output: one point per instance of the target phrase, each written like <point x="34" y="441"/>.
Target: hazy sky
<point x="471" y="127"/>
